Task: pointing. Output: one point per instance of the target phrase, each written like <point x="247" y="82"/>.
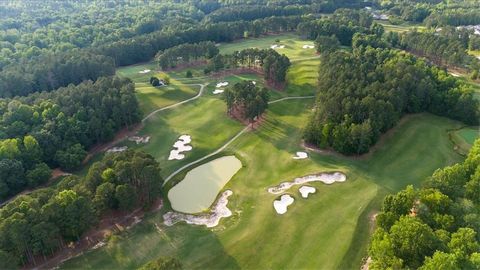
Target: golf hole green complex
<point x="200" y="187"/>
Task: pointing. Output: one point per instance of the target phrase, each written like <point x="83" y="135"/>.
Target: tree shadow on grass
<point x="196" y="247"/>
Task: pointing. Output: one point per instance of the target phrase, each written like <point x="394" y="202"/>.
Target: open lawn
<point x="329" y="230"/>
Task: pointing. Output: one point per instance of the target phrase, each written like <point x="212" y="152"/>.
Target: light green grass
<point x="293" y="45"/>
<point x="405" y="27"/>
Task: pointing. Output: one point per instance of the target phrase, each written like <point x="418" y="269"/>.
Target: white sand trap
<point x="221" y="84"/>
<point x="139" y="140"/>
<point x="301" y="155"/>
<point x="454" y="74"/>
<point x="277" y="47"/>
<point x="217" y="91"/>
<point x="282" y="204"/>
<point x="254" y="82"/>
<point x="219" y="211"/>
<point x="308" y="46"/>
<point x="307" y="190"/>
<point x="144" y="71"/>
<point x="117" y="149"/>
<point x="326" y="178"/>
<point x="181" y="145"/>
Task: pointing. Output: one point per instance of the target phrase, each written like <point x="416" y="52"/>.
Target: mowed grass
<point x="293" y="45"/>
<point x="329" y="230"/>
<point x="316" y="233"/>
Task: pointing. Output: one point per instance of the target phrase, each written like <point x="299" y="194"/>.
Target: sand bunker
<point x="117" y="149"/>
<point x="144" y="71"/>
<point x="219" y="211"/>
<point x="254" y="82"/>
<point x="221" y="84"/>
<point x="181" y="146"/>
<point x="306" y="190"/>
<point x="301" y="155"/>
<point x="218" y="91"/>
<point x="277" y="47"/>
<point x="139" y="140"/>
<point x="308" y="46"/>
<point x="282" y="204"/>
<point x="326" y="178"/>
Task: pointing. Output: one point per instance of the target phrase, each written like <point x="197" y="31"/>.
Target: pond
<point x="200" y="187"/>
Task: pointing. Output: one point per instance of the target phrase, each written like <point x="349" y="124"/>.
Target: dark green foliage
<point x="326" y="44"/>
<point x="154" y="81"/>
<point x="163" y="263"/>
<point x="56" y="128"/>
<point x="185" y="53"/>
<point x="41" y="222"/>
<point x="189" y="74"/>
<point x="364" y="93"/>
<point x="440" y="48"/>
<point x="435" y="227"/>
<point x="245" y="100"/>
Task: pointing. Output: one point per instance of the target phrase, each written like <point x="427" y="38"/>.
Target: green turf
<point x="469" y="134"/>
<point x="329" y="230"/>
<point x="293" y="46"/>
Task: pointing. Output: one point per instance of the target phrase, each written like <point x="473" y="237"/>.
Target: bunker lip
<point x="281" y="206"/>
<point x="212" y="219"/>
<point x="325" y="177"/>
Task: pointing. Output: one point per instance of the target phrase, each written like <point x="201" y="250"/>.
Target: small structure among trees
<point x="245" y="101"/>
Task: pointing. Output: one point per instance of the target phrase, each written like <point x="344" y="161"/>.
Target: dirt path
<point x="223" y="147"/>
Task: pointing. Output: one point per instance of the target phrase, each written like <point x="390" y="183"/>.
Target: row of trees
<point x="246" y="101"/>
<point x="442" y="49"/>
<point x="185" y="53"/>
<point x="41" y="223"/>
<point x="56" y="128"/>
<point x="253" y="12"/>
<point x="364" y="93"/>
<point x="454" y="17"/>
<point x="273" y="65"/>
<point x="434" y="227"/>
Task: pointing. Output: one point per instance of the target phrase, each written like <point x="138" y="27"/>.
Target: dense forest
<point x="56" y="128"/>
<point x="433" y="227"/>
<point x="38" y="224"/>
<point x="364" y="93"/>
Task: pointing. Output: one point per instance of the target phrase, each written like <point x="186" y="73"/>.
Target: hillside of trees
<point x="36" y="225"/>
<point x="433" y="227"/>
<point x="364" y="93"/>
<point x="56" y="128"/>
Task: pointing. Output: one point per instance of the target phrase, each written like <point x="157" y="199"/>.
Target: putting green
<point x="198" y="190"/>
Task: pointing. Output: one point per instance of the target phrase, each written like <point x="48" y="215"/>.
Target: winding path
<point x="223" y="147"/>
<point x="202" y="87"/>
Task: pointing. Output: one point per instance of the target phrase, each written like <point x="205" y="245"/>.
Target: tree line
<point x="37" y="225"/>
<point x="185" y="53"/>
<point x="440" y="48"/>
<point x="273" y="65"/>
<point x="365" y="92"/>
<point x="433" y="227"/>
<point x="56" y="128"/>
